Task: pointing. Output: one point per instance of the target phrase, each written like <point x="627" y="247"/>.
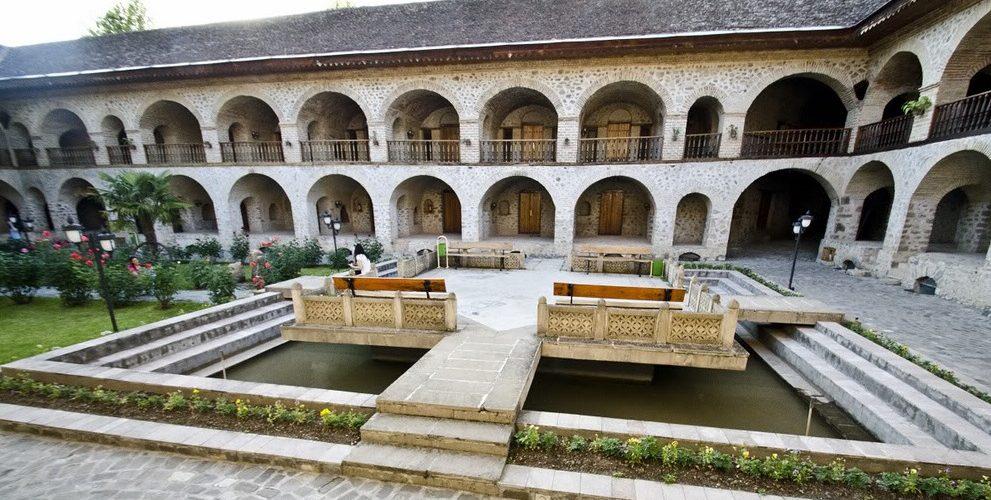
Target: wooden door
<point x="449" y="150"/>
<point x="529" y="213"/>
<point x="532" y="145"/>
<point x="618" y="143"/>
<point x="611" y="213"/>
<point x="451" y="212"/>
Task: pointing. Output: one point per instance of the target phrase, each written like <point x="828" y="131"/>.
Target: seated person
<point x="362" y="266"/>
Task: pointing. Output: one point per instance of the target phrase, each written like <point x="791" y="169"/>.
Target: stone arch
<point x="65" y="129"/>
<point x="422" y="113"/>
<point x="765" y="210"/>
<point x="170" y="122"/>
<point x="501" y="209"/>
<point x="11" y="204"/>
<point x="38" y="208"/>
<point x="971" y="55"/>
<point x="425" y="206"/>
<point x="827" y="75"/>
<point x="201" y="214"/>
<point x="644" y="103"/>
<point x="897" y="82"/>
<point x="544" y="90"/>
<point x="343" y="90"/>
<point x="638" y="77"/>
<point x="420" y="86"/>
<point x="865" y="207"/>
<point x="774" y="107"/>
<point x="703" y="128"/>
<point x="620" y="208"/>
<point x="251" y="196"/>
<point x="114" y="132"/>
<point x="710" y="90"/>
<point x="77" y="200"/>
<point x="692" y="219"/>
<point x="960" y="184"/>
<point x="345" y="199"/>
<point x="258" y="120"/>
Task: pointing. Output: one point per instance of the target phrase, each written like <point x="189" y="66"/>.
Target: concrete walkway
<point x="956" y="336"/>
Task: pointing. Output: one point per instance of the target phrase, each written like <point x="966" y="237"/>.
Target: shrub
<point x="611" y="447"/>
<point x="199" y="273"/>
<point x="640" y="449"/>
<point x="339" y="259"/>
<point x="164" y="283"/>
<point x="221" y="286"/>
<point x="282" y="261"/>
<point x="20" y="275"/>
<point x="240" y="248"/>
<point x="209" y="248"/>
<point x="312" y="253"/>
<point x="373" y="248"/>
<point x="123" y="287"/>
<point x="529" y="437"/>
<point x="69" y="273"/>
<point x="576" y="444"/>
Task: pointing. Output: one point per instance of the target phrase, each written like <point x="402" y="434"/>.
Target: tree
<point x="124" y="17"/>
<point x="141" y="198"/>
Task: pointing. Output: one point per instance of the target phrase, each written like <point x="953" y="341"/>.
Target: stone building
<point x="700" y="128"/>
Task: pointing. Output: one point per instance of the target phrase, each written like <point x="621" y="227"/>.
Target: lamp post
<point x="25" y="226"/>
<point x="798" y="227"/>
<point x="333" y="224"/>
<point x="103" y="241"/>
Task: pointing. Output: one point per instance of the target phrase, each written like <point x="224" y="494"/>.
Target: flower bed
<point x="789" y="474"/>
<point x="188" y="409"/>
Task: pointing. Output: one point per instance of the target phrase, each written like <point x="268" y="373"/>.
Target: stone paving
<point x="39" y="467"/>
<point x="956" y="336"/>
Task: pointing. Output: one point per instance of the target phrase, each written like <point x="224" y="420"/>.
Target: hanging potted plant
<point x="917" y="107"/>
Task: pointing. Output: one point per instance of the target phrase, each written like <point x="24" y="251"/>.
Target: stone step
<point x="473" y="472"/>
<point x="961" y="402"/>
<point x="946" y="426"/>
<point x="880" y="418"/>
<point x="180" y="341"/>
<point x="444" y="434"/>
<point x="229" y="361"/>
<point x="197" y="357"/>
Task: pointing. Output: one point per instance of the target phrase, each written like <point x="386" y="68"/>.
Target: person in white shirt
<point x="362" y="266"/>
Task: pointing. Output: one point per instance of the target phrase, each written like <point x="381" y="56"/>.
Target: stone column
<point x="729" y="146"/>
<point x="39" y="143"/>
<point x="564" y="230"/>
<point x="138" y="156"/>
<point x="568" y="134"/>
<point x="384" y="222"/>
<point x="470" y="135"/>
<point x="664" y="216"/>
<point x="291" y="150"/>
<point x="717" y="235"/>
<point x="99" y="148"/>
<point x="921" y="124"/>
<point x="302" y="218"/>
<point x="378" y="151"/>
<point x="673" y="148"/>
<point x="897" y="220"/>
<point x="211" y="143"/>
<point x="987" y="260"/>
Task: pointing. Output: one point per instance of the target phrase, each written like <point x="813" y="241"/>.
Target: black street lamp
<point x="99" y="242"/>
<point x="25" y="226"/>
<point x="333" y="224"/>
<point x="798" y="227"/>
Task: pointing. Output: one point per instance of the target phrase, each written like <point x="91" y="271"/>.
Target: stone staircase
<point x="448" y="421"/>
<point x="896" y="400"/>
<point x="192" y="347"/>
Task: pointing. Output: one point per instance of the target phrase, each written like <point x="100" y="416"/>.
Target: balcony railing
<point x="119" y="154"/>
<point x="26" y="157"/>
<point x="519" y="151"/>
<point x="335" y="150"/>
<point x="175" y="153"/>
<point x="795" y="143"/>
<point x="67" y="157"/>
<point x="884" y="134"/>
<point x="619" y="149"/>
<point x="702" y="145"/>
<point x="444" y="151"/>
<point x="251" y="152"/>
<point x="968" y="115"/>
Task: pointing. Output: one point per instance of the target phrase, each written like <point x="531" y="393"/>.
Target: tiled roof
<point x="432" y="24"/>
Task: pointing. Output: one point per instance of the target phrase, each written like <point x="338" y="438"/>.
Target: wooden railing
<point x="619" y="149"/>
<point x="445" y="151"/>
<point x="702" y="145"/>
<point x="518" y="150"/>
<point x="968" y="115"/>
<point x="26" y="157"/>
<point x="884" y="134"/>
<point x="251" y="152"/>
<point x="175" y="153"/>
<point x="335" y="150"/>
<point x="67" y="157"/>
<point x="795" y="143"/>
<point x="119" y="154"/>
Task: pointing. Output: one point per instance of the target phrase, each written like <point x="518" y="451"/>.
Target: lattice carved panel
<point x="632" y="327"/>
<point x="324" y="312"/>
<point x="571" y="323"/>
<point x="694" y="329"/>
<point x="373" y="313"/>
<point x="423" y="316"/>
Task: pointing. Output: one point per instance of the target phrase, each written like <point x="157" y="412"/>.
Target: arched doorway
<point x="798" y="115"/>
<point x="896" y="84"/>
<point x="702" y="135"/>
<point x="252" y="199"/>
<point x="621" y="122"/>
<point x="10" y="205"/>
<point x="424" y="127"/>
<point x="200" y="216"/>
<point x="691" y="220"/>
<point x="346" y="200"/>
<point x="519" y="125"/>
<point x="615" y="209"/>
<point x="516" y="208"/>
<point x="336" y="129"/>
<point x="253" y="134"/>
<point x="426" y="207"/>
<point x="68" y="133"/>
<point x="172" y="134"/>
<point x="78" y="201"/>
<point x="864" y="209"/>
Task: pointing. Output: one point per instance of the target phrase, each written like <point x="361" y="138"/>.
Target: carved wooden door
<point x="451" y="212"/>
<point x="529" y="213"/>
<point x="611" y="213"/>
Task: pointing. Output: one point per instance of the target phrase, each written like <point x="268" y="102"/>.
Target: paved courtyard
<point x="956" y="336"/>
<point x="39" y="467"/>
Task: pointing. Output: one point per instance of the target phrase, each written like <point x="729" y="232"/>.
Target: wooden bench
<point x="598" y="258"/>
<point x="375" y="286"/>
<point x="498" y="251"/>
<point x="619" y="296"/>
<point x="388" y="304"/>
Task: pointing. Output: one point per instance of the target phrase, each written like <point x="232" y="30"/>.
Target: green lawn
<point x="42" y="325"/>
<point x="321" y="270"/>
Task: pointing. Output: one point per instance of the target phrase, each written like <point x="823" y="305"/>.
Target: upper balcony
<point x="969" y="115"/>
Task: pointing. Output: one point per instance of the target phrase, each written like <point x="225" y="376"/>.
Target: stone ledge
<point x="665" y="354"/>
<point x="121" y="379"/>
<point x="383" y="337"/>
<point x="303" y="454"/>
<point x="871" y="457"/>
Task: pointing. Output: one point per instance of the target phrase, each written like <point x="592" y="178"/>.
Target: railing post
<point x="922" y="124"/>
<point x="662" y="325"/>
<point x="292" y="152"/>
<point x="600" y="324"/>
<point x="451" y="312"/>
<point x="542" y="316"/>
<point x="728" y="325"/>
<point x="298" y="306"/>
<point x="397" y="309"/>
<point x="348" y="308"/>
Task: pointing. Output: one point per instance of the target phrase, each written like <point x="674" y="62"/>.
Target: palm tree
<point x="141" y="198"/>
